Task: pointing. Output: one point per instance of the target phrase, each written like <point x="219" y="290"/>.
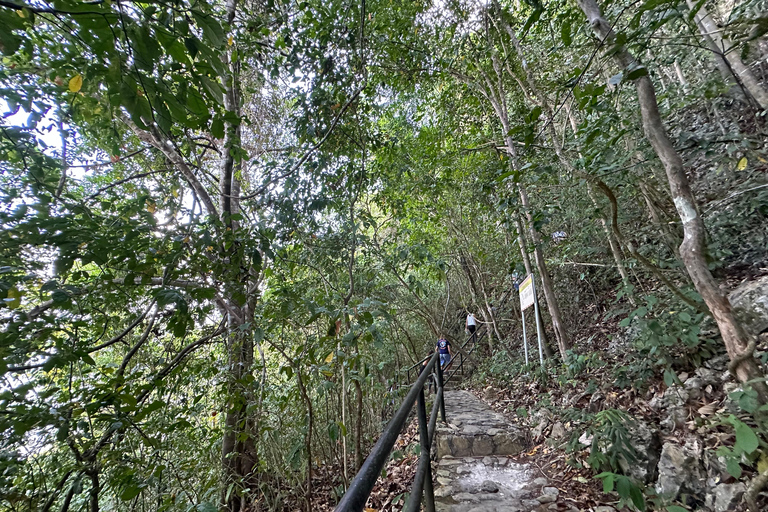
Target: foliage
<point x="235" y="226"/>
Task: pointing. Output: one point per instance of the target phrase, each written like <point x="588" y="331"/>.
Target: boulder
<point x="750" y="304"/>
<point x="647" y="445"/>
<point x="681" y="470"/>
<point x="727" y="496"/>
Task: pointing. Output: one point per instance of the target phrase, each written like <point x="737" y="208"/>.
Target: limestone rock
<point x="695" y="387"/>
<point x="647" y="444"/>
<point x="551" y="491"/>
<point x="750" y="304"/>
<point x="674" y="419"/>
<point x="546" y="498"/>
<point x="604" y="508"/>
<point x="708" y="376"/>
<point x="726" y="497"/>
<point x="680" y="470"/>
<point x="558" y="431"/>
<point x="676" y="396"/>
<point x="540" y="481"/>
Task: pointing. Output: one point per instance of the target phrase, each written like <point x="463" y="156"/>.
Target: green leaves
<point x="628" y="490"/>
<point x="746" y="440"/>
<point x="212" y="30"/>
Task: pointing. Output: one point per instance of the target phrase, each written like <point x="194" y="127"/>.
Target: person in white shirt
<point x="471" y="324"/>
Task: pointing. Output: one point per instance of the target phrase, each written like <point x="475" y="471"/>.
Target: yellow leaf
<point x="762" y="464"/>
<point x="175" y="192"/>
<point x="151" y="208"/>
<point x="13" y="298"/>
<point x="76" y="83"/>
<point x="22" y="13"/>
<point x="186" y="240"/>
<point x="329" y="358"/>
<point x="231" y="41"/>
<point x="370" y="510"/>
<point x="742" y="164"/>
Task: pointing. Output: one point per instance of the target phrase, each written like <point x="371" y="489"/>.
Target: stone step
<point x="488" y="484"/>
<point x="475" y="430"/>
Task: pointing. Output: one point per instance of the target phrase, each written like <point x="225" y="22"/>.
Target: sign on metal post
<point x="527" y="299"/>
<point x="526" y="293"/>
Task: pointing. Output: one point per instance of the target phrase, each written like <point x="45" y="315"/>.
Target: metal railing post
<point x="439" y="370"/>
<point x="429" y="493"/>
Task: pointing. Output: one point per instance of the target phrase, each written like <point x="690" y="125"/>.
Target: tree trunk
<point x="358" y="423"/>
<point x="692" y="250"/>
<point x="561" y="334"/>
<point x="238" y="448"/>
<point x="307" y="438"/>
<point x="523" y="243"/>
<point x="726" y="50"/>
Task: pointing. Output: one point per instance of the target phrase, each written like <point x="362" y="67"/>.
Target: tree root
<point x="755" y="486"/>
<point x="748" y="353"/>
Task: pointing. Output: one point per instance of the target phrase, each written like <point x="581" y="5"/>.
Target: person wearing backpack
<point x="444" y="348"/>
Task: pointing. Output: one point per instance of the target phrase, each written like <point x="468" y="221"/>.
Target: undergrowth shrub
<point x="664" y="337"/>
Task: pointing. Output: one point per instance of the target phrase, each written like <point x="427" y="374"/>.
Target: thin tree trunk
<point x="681" y="76"/>
<point x="613" y="244"/>
<point x="740" y="348"/>
<point x="523" y="243"/>
<point x="238" y="448"/>
<point x="741" y="71"/>
<point x="561" y="334"/>
<point x="307" y="438"/>
<point x="358" y="423"/>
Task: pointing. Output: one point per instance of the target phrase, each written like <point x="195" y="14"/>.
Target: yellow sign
<point x="526" y="293"/>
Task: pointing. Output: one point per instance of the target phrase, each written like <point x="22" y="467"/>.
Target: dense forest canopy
<point x="228" y="226"/>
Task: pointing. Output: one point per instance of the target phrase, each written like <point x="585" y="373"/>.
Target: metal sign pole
<point x="525" y="338"/>
<point x="538" y="322"/>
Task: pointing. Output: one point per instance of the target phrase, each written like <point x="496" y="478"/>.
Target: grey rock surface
<point x="647" y="444"/>
<point x="727" y="496"/>
<point x="750" y="304"/>
<point x="681" y="470"/>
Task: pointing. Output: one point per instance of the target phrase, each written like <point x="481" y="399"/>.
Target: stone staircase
<point x="457" y="378"/>
<point x="476" y="471"/>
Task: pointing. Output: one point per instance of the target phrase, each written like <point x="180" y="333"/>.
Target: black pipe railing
<point x="472" y="341"/>
<point x="360" y="489"/>
<point x="361" y="486"/>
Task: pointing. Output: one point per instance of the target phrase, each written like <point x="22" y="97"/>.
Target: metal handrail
<point x="360" y="489"/>
<point x="475" y="337"/>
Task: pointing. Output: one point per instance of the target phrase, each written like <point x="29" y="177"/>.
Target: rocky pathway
<point x="476" y="469"/>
